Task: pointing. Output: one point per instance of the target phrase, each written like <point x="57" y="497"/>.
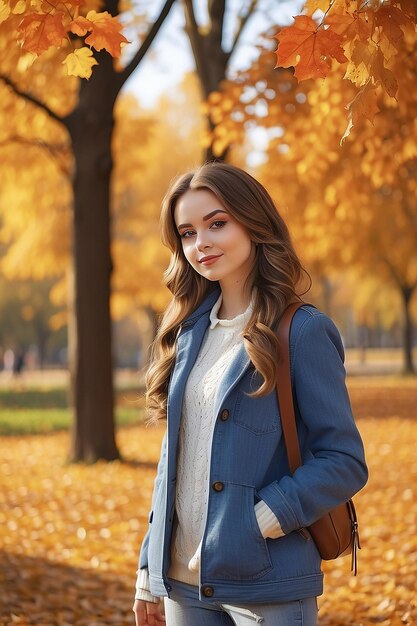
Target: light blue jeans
<point x="184" y="608"/>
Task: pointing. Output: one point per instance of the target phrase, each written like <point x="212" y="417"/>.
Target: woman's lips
<point x="209" y="260"/>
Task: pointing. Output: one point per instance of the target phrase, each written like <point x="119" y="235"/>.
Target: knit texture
<point x="220" y="344"/>
<point x="143" y="587"/>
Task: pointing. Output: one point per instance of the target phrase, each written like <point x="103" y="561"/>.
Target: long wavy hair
<point x="276" y="273"/>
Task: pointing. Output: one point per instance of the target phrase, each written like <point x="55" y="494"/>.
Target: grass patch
<point x="33" y="398"/>
<point x="36" y="421"/>
<point x="53" y="397"/>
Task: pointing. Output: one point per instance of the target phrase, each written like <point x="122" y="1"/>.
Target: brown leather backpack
<point x="336" y="533"/>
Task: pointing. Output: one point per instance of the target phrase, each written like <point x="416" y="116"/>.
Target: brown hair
<point x="276" y="273"/>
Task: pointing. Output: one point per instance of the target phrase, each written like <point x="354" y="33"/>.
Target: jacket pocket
<point x="234" y="547"/>
<point x="258" y="415"/>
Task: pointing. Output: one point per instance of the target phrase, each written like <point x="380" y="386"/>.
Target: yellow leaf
<point x="312" y="6"/>
<point x="80" y="63"/>
<point x="357" y="74"/>
<point x="25" y="61"/>
<point x="4" y="11"/>
<point x="358" y="68"/>
<point x="20" y="7"/>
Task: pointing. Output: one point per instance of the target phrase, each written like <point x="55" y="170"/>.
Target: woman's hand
<point x="194" y="563"/>
<point x="149" y="613"/>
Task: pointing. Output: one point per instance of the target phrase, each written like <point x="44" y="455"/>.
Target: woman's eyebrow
<point x="205" y="218"/>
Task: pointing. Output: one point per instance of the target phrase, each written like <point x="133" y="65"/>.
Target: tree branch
<point x="198" y="46"/>
<point x="216" y="11"/>
<point x="153" y="31"/>
<point x="405" y="205"/>
<point x="242" y="23"/>
<point x="393" y="271"/>
<point x="33" y="99"/>
<point x="193" y="32"/>
<point x="191" y="17"/>
<point x="51" y="149"/>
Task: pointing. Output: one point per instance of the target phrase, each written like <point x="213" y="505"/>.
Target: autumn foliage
<point x="348" y="206"/>
<point x="53" y="24"/>
<point x="366" y="35"/>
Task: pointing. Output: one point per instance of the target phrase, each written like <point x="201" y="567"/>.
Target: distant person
<point x="226" y="543"/>
<point x="9" y="359"/>
<point x="19" y="362"/>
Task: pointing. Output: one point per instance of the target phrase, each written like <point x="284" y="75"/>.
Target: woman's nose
<point x="202" y="242"/>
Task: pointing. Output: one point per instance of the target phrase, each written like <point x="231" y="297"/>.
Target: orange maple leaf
<point x="308" y="48"/>
<point x="391" y="19"/>
<point x="40" y="31"/>
<point x="349" y="26"/>
<point x="80" y="26"/>
<point x="383" y="74"/>
<point x="364" y="104"/>
<point x="409" y="7"/>
<point x="104" y="31"/>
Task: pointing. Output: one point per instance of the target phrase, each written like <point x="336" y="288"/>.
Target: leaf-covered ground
<point x="69" y="535"/>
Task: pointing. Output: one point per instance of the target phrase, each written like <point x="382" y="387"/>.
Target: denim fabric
<point x="248" y="458"/>
<point x="184" y="608"/>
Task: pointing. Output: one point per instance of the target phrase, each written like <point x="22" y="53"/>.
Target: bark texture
<point x="210" y="57"/>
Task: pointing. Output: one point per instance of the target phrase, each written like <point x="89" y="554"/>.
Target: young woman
<point x="224" y="544"/>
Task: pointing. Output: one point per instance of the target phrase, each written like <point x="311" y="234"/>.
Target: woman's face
<point x="215" y="244"/>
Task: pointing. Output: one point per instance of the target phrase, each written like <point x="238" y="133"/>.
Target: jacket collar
<point x="188" y="346"/>
<point x="205" y="306"/>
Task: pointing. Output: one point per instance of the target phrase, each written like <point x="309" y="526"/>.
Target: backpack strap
<point x="284" y="388"/>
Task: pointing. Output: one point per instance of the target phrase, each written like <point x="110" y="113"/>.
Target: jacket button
<point x="224" y="415"/>
<point x="207" y="591"/>
<point x="218" y="486"/>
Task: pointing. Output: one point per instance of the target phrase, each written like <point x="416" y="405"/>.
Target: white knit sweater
<point x="220" y="344"/>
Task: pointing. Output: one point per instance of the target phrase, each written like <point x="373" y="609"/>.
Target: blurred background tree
<point x="85" y="122"/>
<point x="350" y="207"/>
<point x="85" y="167"/>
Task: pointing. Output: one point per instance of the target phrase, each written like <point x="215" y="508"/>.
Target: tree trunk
<point x="42" y="336"/>
<point x="408" y="367"/>
<point x="91" y="127"/>
<point x="72" y="332"/>
<point x="327" y="291"/>
<point x="210" y="75"/>
<point x="211" y="60"/>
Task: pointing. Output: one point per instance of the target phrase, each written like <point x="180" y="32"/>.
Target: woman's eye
<point x="216" y="225"/>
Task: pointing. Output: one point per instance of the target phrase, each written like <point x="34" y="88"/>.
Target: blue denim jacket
<point x="249" y="463"/>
